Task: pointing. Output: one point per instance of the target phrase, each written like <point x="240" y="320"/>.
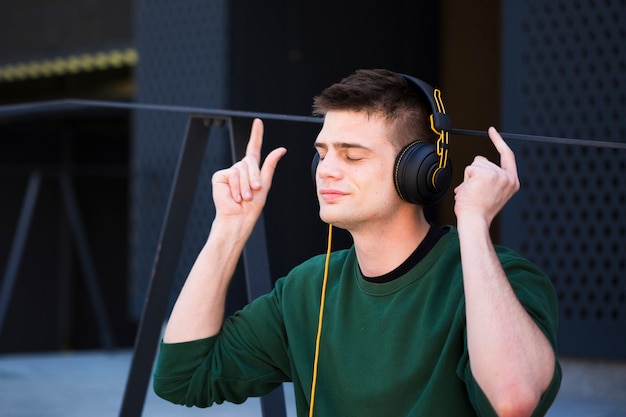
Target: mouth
<point x="330" y="195"/>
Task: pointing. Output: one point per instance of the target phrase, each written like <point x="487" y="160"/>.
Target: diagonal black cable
<point x="25" y="109"/>
<point x="543" y="139"/>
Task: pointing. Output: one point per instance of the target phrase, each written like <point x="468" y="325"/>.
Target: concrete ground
<point x="92" y="384"/>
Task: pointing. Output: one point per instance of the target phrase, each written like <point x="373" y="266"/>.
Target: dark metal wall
<point x="184" y="51"/>
<point x="44" y="29"/>
<point x="564" y="72"/>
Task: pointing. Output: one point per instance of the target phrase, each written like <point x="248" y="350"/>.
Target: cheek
<point x="384" y="188"/>
<point x="378" y="180"/>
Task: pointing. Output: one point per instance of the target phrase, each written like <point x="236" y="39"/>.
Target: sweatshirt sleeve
<point x="248" y="358"/>
<point x="536" y="293"/>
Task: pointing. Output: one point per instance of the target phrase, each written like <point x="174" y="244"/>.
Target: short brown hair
<point x="385" y="94"/>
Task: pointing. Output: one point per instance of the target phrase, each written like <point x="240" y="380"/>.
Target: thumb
<point x="269" y="165"/>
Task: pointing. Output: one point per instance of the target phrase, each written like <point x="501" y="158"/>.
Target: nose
<point x="328" y="166"/>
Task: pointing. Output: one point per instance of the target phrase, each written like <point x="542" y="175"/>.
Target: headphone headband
<point x="439" y="123"/>
<point x="439" y="119"/>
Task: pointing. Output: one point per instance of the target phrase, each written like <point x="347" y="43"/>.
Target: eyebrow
<point x="341" y="145"/>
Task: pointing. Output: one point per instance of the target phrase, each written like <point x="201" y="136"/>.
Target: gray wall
<point x="564" y="72"/>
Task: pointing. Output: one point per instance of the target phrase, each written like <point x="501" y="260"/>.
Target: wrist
<point x="473" y="221"/>
<point x="230" y="230"/>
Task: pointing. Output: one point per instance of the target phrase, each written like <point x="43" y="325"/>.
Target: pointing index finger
<point x="507" y="157"/>
<point x="256" y="140"/>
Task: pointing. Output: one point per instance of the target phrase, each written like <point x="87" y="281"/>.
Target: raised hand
<point x="486" y="186"/>
<point x="241" y="190"/>
<point x="239" y="193"/>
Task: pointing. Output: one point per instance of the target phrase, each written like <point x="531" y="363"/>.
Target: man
<point x="418" y="320"/>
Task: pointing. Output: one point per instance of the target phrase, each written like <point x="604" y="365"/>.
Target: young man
<point x="418" y="320"/>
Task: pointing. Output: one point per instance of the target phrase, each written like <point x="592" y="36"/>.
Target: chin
<point x="328" y="218"/>
<point x="336" y="220"/>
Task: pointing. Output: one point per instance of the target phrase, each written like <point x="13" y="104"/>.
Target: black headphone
<point x="422" y="172"/>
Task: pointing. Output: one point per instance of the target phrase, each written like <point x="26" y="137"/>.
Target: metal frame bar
<point x="82" y="247"/>
<point x="86" y="261"/>
<point x="168" y="251"/>
<point x="19" y="241"/>
<point x="255" y="257"/>
<point x="165" y="263"/>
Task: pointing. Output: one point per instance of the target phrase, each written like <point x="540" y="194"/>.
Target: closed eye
<point x="351" y="152"/>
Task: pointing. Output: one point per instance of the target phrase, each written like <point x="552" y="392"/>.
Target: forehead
<point x="358" y="128"/>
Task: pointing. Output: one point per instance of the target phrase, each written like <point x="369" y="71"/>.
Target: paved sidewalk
<point x="90" y="384"/>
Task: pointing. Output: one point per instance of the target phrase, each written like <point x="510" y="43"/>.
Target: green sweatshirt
<point x="396" y="348"/>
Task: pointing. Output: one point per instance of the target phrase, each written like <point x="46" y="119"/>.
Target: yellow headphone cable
<point x="319" y="324"/>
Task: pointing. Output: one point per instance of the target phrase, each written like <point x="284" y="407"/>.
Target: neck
<point x="382" y="249"/>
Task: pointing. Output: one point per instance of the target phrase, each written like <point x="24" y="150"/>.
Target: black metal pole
<point x="19" y="240"/>
<point x="86" y="260"/>
<point x="256" y="261"/>
<point x="165" y="264"/>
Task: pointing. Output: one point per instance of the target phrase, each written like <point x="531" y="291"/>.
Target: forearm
<point x="199" y="310"/>
<point x="511" y="359"/>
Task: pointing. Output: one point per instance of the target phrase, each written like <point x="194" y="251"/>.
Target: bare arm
<point x="511" y="359"/>
<point x="239" y="194"/>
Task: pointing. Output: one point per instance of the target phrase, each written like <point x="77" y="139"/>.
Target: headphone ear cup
<point x="417" y="175"/>
<point x="314" y="163"/>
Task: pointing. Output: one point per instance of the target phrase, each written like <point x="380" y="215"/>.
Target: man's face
<point x="354" y="177"/>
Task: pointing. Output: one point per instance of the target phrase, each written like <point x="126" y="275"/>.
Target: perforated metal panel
<point x="183" y="61"/>
<point x="565" y="75"/>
